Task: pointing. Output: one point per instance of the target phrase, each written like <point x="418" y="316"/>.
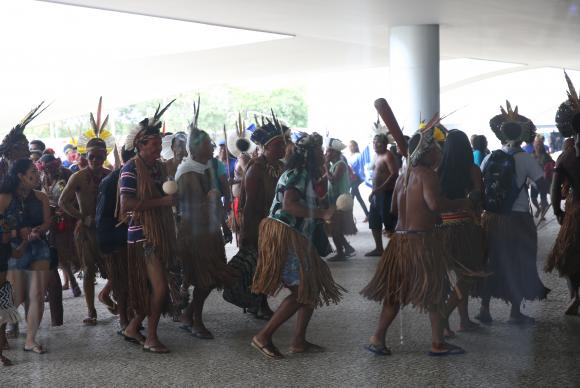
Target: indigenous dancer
<point x="342" y="222"/>
<point x="461" y="231"/>
<point x="286" y="254"/>
<point x="151" y="233"/>
<point x="385" y="175"/>
<point x="112" y="239"/>
<point x="257" y="192"/>
<point x="200" y="242"/>
<point x="565" y="255"/>
<point x="510" y="232"/>
<point x="413" y="269"/>
<point x="53" y="179"/>
<point x="79" y="200"/>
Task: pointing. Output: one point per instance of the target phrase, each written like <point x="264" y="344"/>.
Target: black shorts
<point x="5" y="253"/>
<point x="380" y="212"/>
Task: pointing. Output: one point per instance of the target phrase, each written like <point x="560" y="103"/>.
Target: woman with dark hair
<point x="480" y="150"/>
<point x="29" y="274"/>
<point x="462" y="235"/>
<point x="287" y="256"/>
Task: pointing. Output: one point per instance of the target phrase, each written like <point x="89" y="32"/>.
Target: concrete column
<point x="414" y="70"/>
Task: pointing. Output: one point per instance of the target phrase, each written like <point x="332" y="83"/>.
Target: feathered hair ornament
<point x="382" y="131"/>
<point x="505" y="124"/>
<point x="97" y="131"/>
<point x="239" y="142"/>
<point x="147" y="128"/>
<point x="16" y="134"/>
<point x="569" y="111"/>
<point x="270" y="129"/>
<point x="196" y="135"/>
<point x="427" y="139"/>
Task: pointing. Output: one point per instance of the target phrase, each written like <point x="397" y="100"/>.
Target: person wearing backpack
<point x="510" y="232"/>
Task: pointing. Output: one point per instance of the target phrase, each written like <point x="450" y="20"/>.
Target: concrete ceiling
<point x="328" y="35"/>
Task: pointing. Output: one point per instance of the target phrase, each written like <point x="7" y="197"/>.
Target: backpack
<point x="499" y="182"/>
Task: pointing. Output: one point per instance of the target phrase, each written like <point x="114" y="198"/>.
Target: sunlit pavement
<point x="542" y="355"/>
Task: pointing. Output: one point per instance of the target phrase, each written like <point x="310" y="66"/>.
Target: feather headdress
<point x="148" y="127"/>
<point x="239" y="142"/>
<point x="382" y="130"/>
<point x="196" y="135"/>
<point x="97" y="131"/>
<point x="509" y="117"/>
<point x="568" y="110"/>
<point x="427" y="139"/>
<point x="270" y="129"/>
<point x="16" y="134"/>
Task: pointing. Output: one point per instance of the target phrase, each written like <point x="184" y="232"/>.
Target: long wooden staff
<point x="386" y="113"/>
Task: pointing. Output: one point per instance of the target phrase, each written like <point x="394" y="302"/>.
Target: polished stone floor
<point x="501" y="355"/>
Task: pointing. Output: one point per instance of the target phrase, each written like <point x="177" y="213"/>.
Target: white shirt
<point x="527" y="167"/>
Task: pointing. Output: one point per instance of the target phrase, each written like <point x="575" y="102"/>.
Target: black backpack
<point x="499" y="182"/>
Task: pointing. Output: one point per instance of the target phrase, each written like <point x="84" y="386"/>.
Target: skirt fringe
<point x="277" y="240"/>
<point x="413" y="270"/>
<point x="565" y="255"/>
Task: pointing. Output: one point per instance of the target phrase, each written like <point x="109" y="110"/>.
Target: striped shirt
<point x="128" y="187"/>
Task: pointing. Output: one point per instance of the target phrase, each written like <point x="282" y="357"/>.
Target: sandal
<point x="133" y="340"/>
<point x="268" y="350"/>
<point x="5" y="361"/>
<point x="379" y="350"/>
<point x="38" y="349"/>
<point x="450" y="350"/>
<point x="158" y="349"/>
<point x="205" y="335"/>
<point x="309" y="348"/>
<point x="90" y="321"/>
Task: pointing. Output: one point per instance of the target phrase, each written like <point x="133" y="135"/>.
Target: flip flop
<point x="202" y="335"/>
<point x="378" y="350"/>
<point x="132" y="339"/>
<point x="310" y="348"/>
<point x="268" y="350"/>
<point x="38" y="349"/>
<point x="452" y="350"/>
<point x="156" y="349"/>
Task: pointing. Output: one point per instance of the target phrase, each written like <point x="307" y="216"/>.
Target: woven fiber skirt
<point x="277" y="243"/>
<point x="565" y="255"/>
<point x="413" y="270"/>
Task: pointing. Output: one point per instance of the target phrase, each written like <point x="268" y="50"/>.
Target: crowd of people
<point x="155" y="224"/>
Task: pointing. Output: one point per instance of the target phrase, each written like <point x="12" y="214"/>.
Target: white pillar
<point x="414" y="68"/>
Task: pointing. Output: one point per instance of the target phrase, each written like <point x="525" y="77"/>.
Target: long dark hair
<point x="305" y="159"/>
<point x="480" y="143"/>
<point x="455" y="169"/>
<point x="11" y="181"/>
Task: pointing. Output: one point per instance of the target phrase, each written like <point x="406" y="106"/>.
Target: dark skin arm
<point x="40" y="230"/>
<point x="556" y="194"/>
<point x="68" y="198"/>
<point x="292" y="205"/>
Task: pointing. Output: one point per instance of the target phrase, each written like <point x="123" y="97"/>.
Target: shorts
<point x="291" y="271"/>
<point x="37" y="250"/>
<point x="380" y="212"/>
